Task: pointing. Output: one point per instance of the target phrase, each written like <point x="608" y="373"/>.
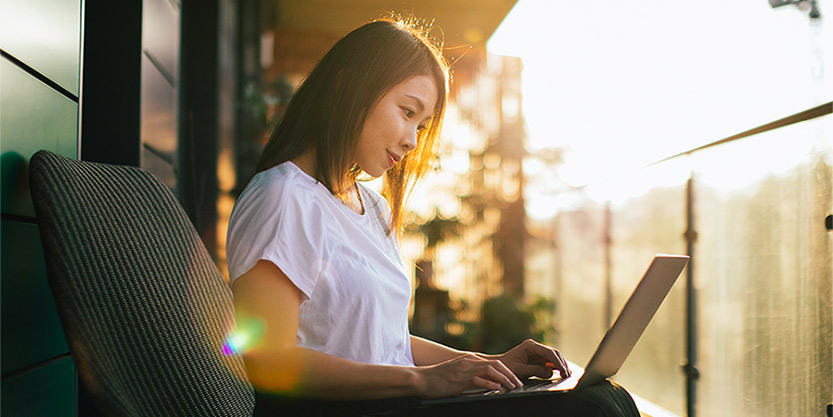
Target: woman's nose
<point x="409" y="140"/>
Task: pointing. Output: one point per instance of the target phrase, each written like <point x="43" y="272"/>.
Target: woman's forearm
<point x="265" y="297"/>
<point x="427" y="352"/>
<point x="301" y="372"/>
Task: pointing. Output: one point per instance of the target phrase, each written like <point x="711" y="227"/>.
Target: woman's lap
<point x="606" y="399"/>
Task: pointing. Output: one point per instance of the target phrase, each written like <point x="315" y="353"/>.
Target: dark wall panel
<point x="46" y="35"/>
<point x="39" y="95"/>
<point x="34" y="117"/>
<point x="159" y="123"/>
<point x="160" y="34"/>
<point x="46" y="391"/>
<point x="31" y="330"/>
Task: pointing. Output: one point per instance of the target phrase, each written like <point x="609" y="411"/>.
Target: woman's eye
<point x="408" y="112"/>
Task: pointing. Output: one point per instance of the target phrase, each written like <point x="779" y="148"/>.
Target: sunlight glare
<point x="616" y="86"/>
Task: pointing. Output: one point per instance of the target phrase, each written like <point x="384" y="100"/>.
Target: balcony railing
<point x="748" y="329"/>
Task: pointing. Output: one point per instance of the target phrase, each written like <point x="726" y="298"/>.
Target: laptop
<point x="616" y="344"/>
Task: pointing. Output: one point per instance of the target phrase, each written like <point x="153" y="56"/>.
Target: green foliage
<point x="437" y="229"/>
<point x="266" y="104"/>
<point x="503" y="324"/>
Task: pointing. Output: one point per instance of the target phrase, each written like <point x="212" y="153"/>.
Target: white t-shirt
<point x="356" y="291"/>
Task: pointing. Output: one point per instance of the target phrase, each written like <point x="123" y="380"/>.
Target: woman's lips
<point x="391" y="159"/>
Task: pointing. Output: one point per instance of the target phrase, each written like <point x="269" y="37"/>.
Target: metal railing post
<point x="608" y="272"/>
<point x="690" y="367"/>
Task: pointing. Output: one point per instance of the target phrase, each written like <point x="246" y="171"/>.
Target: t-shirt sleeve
<point x="282" y="225"/>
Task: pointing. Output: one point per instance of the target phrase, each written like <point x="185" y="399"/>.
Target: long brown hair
<point x="332" y="104"/>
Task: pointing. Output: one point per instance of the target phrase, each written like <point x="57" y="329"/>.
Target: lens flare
<point x="235" y="343"/>
<point x="244" y="336"/>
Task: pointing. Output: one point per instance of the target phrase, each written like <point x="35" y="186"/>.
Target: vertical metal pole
<point x="608" y="292"/>
<point x="558" y="267"/>
<point x="690" y="368"/>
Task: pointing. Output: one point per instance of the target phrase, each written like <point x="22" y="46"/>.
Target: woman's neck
<point x="306" y="162"/>
<point x="352" y="198"/>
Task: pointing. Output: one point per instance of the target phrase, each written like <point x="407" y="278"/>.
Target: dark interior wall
<point x="106" y="82"/>
<point x="161" y="80"/>
<point x="110" y="99"/>
<point x="39" y="97"/>
<point x="199" y="119"/>
<point x="72" y="82"/>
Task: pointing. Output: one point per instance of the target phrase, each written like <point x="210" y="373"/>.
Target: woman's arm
<point x="427" y="352"/>
<point x="529" y="358"/>
<point x="265" y="296"/>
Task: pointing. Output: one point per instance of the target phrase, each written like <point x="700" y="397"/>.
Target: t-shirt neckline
<point x="364" y="196"/>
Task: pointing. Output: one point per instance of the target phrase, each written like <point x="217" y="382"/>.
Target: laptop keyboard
<point x="529" y="386"/>
<point x="540" y="384"/>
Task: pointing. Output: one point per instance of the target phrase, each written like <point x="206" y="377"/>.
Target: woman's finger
<point x="499" y="372"/>
<point x="507" y="376"/>
<point x="562" y="366"/>
<point x="484" y="383"/>
<point x="557" y="362"/>
<point x="551" y="356"/>
<point x="543" y="371"/>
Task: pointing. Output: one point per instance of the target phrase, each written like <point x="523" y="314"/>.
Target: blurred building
<point x="468" y="216"/>
<point x="473" y="198"/>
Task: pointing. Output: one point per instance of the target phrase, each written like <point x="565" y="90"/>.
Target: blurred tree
<point x="504" y="323"/>
<point x="264" y="107"/>
<point x="436" y="230"/>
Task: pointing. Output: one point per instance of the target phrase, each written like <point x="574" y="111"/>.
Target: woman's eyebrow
<point x="419" y="102"/>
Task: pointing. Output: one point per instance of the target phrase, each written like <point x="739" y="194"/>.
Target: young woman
<point x="314" y="256"/>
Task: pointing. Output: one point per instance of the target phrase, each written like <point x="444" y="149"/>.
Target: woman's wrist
<point x="416" y="381"/>
<point x="486" y="355"/>
<point x="427" y="352"/>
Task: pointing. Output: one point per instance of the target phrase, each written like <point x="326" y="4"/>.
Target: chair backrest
<point x="144" y="308"/>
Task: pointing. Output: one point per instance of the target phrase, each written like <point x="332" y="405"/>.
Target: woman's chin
<point x="375" y="173"/>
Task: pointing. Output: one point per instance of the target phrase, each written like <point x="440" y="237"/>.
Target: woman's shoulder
<point x="282" y="180"/>
<point x="282" y="187"/>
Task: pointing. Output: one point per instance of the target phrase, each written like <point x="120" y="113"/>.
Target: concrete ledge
<point x="649" y="409"/>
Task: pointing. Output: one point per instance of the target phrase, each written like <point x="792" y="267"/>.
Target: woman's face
<point x="390" y="130"/>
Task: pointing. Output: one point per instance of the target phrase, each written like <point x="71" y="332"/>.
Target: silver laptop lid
<point x="634" y="318"/>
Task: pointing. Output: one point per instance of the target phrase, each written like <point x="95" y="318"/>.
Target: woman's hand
<point x="531" y="358"/>
<point x="470" y="371"/>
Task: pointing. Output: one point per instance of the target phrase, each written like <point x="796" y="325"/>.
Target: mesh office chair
<point x="144" y="309"/>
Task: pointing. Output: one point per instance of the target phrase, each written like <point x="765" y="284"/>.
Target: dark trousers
<point x="605" y="399"/>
